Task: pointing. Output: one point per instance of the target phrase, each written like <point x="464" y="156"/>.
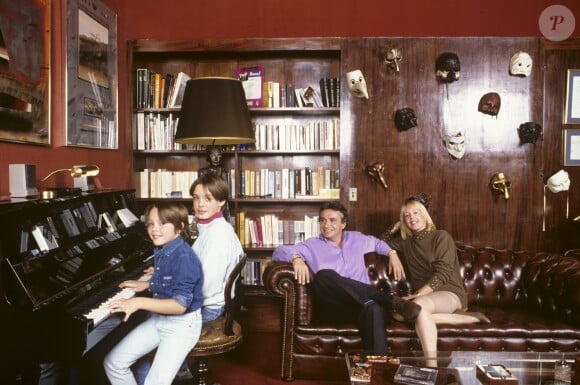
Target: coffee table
<point x="530" y="368"/>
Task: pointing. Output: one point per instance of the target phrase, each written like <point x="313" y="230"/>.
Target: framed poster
<point x="571" y="147"/>
<point x="25" y="71"/>
<point x="92" y="79"/>
<point x="572" y="102"/>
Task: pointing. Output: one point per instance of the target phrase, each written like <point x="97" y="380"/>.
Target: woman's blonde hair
<point x="414" y="203"/>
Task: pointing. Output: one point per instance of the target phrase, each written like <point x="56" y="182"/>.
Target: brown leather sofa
<point x="533" y="303"/>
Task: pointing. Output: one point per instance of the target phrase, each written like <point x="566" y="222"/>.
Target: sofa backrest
<point x="490" y="276"/>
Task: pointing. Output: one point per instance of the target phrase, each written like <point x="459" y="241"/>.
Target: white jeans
<point x="173" y="336"/>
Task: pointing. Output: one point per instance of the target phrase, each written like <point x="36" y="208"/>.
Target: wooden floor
<point x="256" y="362"/>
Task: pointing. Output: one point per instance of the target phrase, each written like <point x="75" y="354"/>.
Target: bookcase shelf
<point x="302" y="62"/>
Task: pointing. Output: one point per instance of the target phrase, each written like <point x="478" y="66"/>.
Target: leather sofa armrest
<point x="280" y="282"/>
<point x="551" y="282"/>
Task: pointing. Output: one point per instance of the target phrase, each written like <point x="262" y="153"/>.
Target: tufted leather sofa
<point x="533" y="303"/>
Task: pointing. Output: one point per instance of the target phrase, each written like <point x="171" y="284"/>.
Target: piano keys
<point x="60" y="261"/>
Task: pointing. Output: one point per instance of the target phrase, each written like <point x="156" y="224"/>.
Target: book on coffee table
<point x="358" y="369"/>
<point x="414" y="375"/>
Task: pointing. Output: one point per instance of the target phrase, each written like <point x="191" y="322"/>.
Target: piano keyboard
<point x="102" y="311"/>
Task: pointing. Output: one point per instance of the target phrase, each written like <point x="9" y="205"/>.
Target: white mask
<point x="558" y="182"/>
<point x="521" y="64"/>
<point x="455" y="145"/>
<point x="357" y="84"/>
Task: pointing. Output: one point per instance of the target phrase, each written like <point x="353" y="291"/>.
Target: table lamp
<point x="82" y="171"/>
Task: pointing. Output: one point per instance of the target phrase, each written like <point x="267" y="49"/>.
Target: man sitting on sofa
<point x="341" y="284"/>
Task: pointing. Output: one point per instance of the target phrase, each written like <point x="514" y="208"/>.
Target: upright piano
<point x="61" y="259"/>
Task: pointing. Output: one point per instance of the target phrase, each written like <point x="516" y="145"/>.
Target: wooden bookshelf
<point x="301" y="62"/>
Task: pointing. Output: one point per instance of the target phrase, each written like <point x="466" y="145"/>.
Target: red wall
<point x="182" y="19"/>
<point x="260" y="18"/>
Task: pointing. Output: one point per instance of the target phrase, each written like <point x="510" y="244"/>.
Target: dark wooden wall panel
<point x="417" y="161"/>
<point x="561" y="233"/>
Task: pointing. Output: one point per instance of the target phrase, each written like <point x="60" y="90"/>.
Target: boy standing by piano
<point x="174" y="324"/>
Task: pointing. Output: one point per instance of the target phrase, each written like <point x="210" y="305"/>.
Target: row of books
<point x="155" y="90"/>
<point x="270" y="230"/>
<point x="315" y="135"/>
<point x="156" y="131"/>
<point x="277" y="95"/>
<point x="254" y="271"/>
<point x="163" y="183"/>
<point x="272" y="94"/>
<point x="288" y="183"/>
<point x="264" y="183"/>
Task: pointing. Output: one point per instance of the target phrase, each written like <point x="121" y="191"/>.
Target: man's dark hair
<point x="335" y="206"/>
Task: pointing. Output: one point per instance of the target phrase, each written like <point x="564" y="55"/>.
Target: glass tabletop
<point x="528" y="368"/>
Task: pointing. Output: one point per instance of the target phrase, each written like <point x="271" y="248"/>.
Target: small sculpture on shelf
<point x="214" y="158"/>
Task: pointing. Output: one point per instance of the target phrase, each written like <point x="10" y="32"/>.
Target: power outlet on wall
<point x="352" y="194"/>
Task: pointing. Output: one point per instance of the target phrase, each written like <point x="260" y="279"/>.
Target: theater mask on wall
<point x="448" y="67"/>
<point x="489" y="104"/>
<point x="393" y="57"/>
<point x="521" y="64"/>
<point x="405" y="119"/>
<point x="500" y="185"/>
<point x="455" y="145"/>
<point x="529" y="132"/>
<point x="357" y="85"/>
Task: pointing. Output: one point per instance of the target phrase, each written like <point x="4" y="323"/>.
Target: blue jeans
<point x="173" y="336"/>
<point x="143" y="365"/>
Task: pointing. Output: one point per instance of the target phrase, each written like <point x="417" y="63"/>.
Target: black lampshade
<point x="214" y="111"/>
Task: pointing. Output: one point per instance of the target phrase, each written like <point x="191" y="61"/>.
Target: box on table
<point x="495" y="374"/>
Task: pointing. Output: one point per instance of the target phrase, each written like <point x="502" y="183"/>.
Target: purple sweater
<point x="347" y="261"/>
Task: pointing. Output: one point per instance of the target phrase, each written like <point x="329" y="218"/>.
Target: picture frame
<point x="571" y="146"/>
<point x="25" y="71"/>
<point x="572" y="102"/>
<point x="92" y="75"/>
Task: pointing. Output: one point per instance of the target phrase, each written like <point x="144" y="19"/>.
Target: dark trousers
<point x="341" y="299"/>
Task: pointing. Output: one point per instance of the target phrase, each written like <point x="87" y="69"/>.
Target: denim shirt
<point x="177" y="275"/>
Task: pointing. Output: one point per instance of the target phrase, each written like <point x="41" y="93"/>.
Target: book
<point x="358" y="368"/>
<point x="267" y="92"/>
<point x="307" y="96"/>
<point x="69" y="223"/>
<point x="290" y="96"/>
<point x="168" y="85"/>
<point x="252" y="79"/>
<point x="176" y="97"/>
<point x="414" y="375"/>
<point x="126" y="217"/>
<point x="298" y="97"/>
<point x="142" y="89"/>
<point x="324" y="91"/>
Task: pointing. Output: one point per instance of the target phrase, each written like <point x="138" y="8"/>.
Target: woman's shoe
<point x="408" y="309"/>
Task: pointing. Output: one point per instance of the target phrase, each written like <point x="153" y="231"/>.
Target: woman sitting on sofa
<point x="432" y="268"/>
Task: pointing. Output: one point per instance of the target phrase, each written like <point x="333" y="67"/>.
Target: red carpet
<point x="254" y="364"/>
